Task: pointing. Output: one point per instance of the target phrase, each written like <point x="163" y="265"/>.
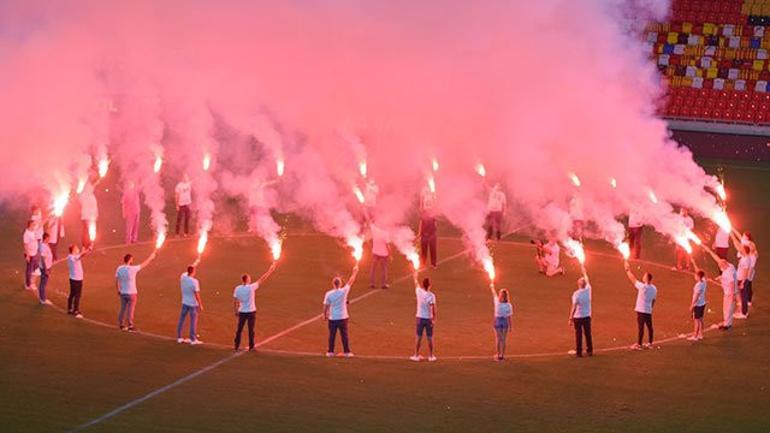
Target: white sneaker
<point x="635" y="347"/>
<point x="46" y="302"/>
<point x="740" y="316"/>
<point x="350" y="355"/>
<point x="432" y="359"/>
<point x="415" y="358"/>
<point x="700" y="337"/>
<point x="647" y="346"/>
<point x="181" y="340"/>
<point x="330" y="354"/>
<point x="78" y="316"/>
<point x="195" y="342"/>
<point x="692" y="338"/>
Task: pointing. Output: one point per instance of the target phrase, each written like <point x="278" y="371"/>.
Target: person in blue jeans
<point x="335" y="312"/>
<point x="502" y="324"/>
<point x="192" y="305"/>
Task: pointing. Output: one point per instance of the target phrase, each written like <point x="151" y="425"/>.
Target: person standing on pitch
<point x="89" y="211"/>
<point x="183" y="196"/>
<point x="745" y="266"/>
<point x="131" y="207"/>
<point x="56" y="233"/>
<point x="336" y="314"/>
<point x="428" y="239"/>
<point x="635" y="228"/>
<point x="380" y="256"/>
<point x="191" y="304"/>
<point x="728" y="279"/>
<point x="245" y="306"/>
<point x="496" y="204"/>
<point x="646" y="294"/>
<point x="46" y="262"/>
<point x="31" y="253"/>
<point x="721" y="243"/>
<point x="426" y="317"/>
<point x="75" y="268"/>
<point x="125" y="282"/>
<point x="580" y="315"/>
<point x="503" y="314"/>
<point x="698" y="303"/>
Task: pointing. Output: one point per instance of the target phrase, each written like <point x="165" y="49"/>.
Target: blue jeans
<point x="193" y="312"/>
<point x="31" y="263"/>
<point x="44" y="274"/>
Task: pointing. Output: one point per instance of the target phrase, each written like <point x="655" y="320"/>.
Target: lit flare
<point x="575" y="179"/>
<point x="160" y="239"/>
<point x="206" y="162"/>
<point x="625" y="250"/>
<point x="362" y="168"/>
<point x="576" y="249"/>
<point x="275" y="249"/>
<point x="489" y="268"/>
<point x="103" y="166"/>
<point x="481" y="170"/>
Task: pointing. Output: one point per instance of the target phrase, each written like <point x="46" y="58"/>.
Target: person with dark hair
<point x="580" y="315"/>
<point x="426" y="317"/>
<point x="743" y="273"/>
<point x="245" y="307"/>
<point x="75" y="268"/>
<point x="191" y="305"/>
<point x="31" y="254"/>
<point x="336" y="314"/>
<point x="646" y="294"/>
<point x="183" y="197"/>
<point x="502" y="324"/>
<point x="698" y="303"/>
<point x="125" y="283"/>
<point x="46" y="262"/>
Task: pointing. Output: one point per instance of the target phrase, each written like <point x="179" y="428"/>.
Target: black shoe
<point x="252" y="349"/>
<point x="371" y="286"/>
<point x="578" y="355"/>
<point x="590" y="354"/>
<point x="70" y="312"/>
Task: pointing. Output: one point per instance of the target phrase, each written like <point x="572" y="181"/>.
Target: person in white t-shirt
<point x="380" y="256"/>
<point x="502" y="323"/>
<point x="46" y="262"/>
<point x="75" y="269"/>
<point x="728" y="279"/>
<point x="746" y="239"/>
<point x="580" y="315"/>
<point x="698" y="303"/>
<point x="426" y="317"/>
<point x="183" y="196"/>
<point x="682" y="257"/>
<point x="635" y="229"/>
<point x="496" y="204"/>
<point x="132" y="208"/>
<point x="245" y="307"/>
<point x="55" y="229"/>
<point x="547" y="258"/>
<point x="335" y="312"/>
<point x="646" y="294"/>
<point x="721" y="243"/>
<point x="192" y="305"/>
<point x="31" y="254"/>
<point x="89" y="210"/>
<point x="125" y="283"/>
<point x="745" y="267"/>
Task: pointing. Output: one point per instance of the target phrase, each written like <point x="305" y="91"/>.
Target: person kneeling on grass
<point x="646" y="293"/>
<point x="426" y="317"/>
<point x="75" y="268"/>
<point x="245" y="307"/>
<point x="698" y="303"/>
<point x="503" y="313"/>
<point x="336" y="312"/>
<point x="191" y="304"/>
<point x="580" y="315"/>
<point x="547" y="258"/>
<point x="125" y="282"/>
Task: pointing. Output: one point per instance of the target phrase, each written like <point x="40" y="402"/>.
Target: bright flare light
<point x="693" y="237"/>
<point x="103" y="166"/>
<point x="275" y="250"/>
<point x="202" y="241"/>
<point x="158" y="163"/>
<point x="60" y="202"/>
<point x="432" y="184"/>
<point x="576" y="249"/>
<point x="721" y="191"/>
<point x="357" y="244"/>
<point x="92" y="230"/>
<point x="362" y="168"/>
<point x="682" y="242"/>
<point x="206" y="162"/>
<point x="414" y="258"/>
<point x="160" y="239"/>
<point x="613" y="182"/>
<point x="280" y="167"/>
<point x="359" y="195"/>
<point x="625" y="250"/>
<point x="434" y="164"/>
<point x="81" y="185"/>
<point x="481" y="170"/>
<point x="653" y="198"/>
<point x="489" y="267"/>
<point x="575" y="179"/>
<point x="722" y="220"/>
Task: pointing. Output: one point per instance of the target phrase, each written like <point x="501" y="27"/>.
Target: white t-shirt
<point x="425" y="299"/>
<point x="379" y="242"/>
<point x="55" y="230"/>
<point x="699" y="293"/>
<point x="75" y="267"/>
<point x="89" y="208"/>
<point x="552" y="251"/>
<point x="337" y="300"/>
<point x="744" y="267"/>
<point x="126" y="276"/>
<point x="496" y="202"/>
<point x="722" y="239"/>
<point x="47" y="255"/>
<point x="753" y="271"/>
<point x="30" y="242"/>
<point x="502" y="309"/>
<point x="183" y="193"/>
<point x="729" y="279"/>
<point x="634" y="220"/>
<point x="582" y="300"/>
<point x="245" y="296"/>
<point x="645" y="295"/>
<point x="189" y="286"/>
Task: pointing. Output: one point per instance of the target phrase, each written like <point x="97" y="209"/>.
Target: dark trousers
<point x="494" y="224"/>
<point x="583" y="326"/>
<point x="183" y="214"/>
<point x="31" y="263"/>
<point x="428" y="245"/>
<point x="750" y="292"/>
<point x="44" y="276"/>
<point x="642" y="320"/>
<point x="242" y="319"/>
<point x="722" y="252"/>
<point x="342" y="326"/>
<point x="635" y="241"/>
<point x="73" y="300"/>
<point x="54" y="249"/>
<point x="745" y="297"/>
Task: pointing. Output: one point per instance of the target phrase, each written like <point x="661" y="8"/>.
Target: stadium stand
<point x="715" y="56"/>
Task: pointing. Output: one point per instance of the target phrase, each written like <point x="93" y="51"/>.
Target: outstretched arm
<point x="585" y="273"/>
<point x="148" y="259"/>
<point x="629" y="274"/>
<point x="736" y="241"/>
<point x="197" y="261"/>
<point x="414" y="278"/>
<point x="267" y="274"/>
<point x="712" y="253"/>
<point x="492" y="289"/>
<point x="353" y="275"/>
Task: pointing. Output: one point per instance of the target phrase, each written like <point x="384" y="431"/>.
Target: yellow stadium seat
<point x="712" y="73"/>
<point x="673" y="38"/>
<point x="686" y="27"/>
<point x="758" y="65"/>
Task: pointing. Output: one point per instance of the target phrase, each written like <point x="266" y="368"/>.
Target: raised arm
<point x="695" y="268"/>
<point x="148" y="259"/>
<point x="492" y="289"/>
<point x="414" y="278"/>
<point x="353" y="275"/>
<point x="267" y="274"/>
<point x="585" y="274"/>
<point x="736" y="241"/>
<point x="712" y="253"/>
<point x="629" y="274"/>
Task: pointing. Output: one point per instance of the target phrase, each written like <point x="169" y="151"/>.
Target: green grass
<point x="57" y="372"/>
